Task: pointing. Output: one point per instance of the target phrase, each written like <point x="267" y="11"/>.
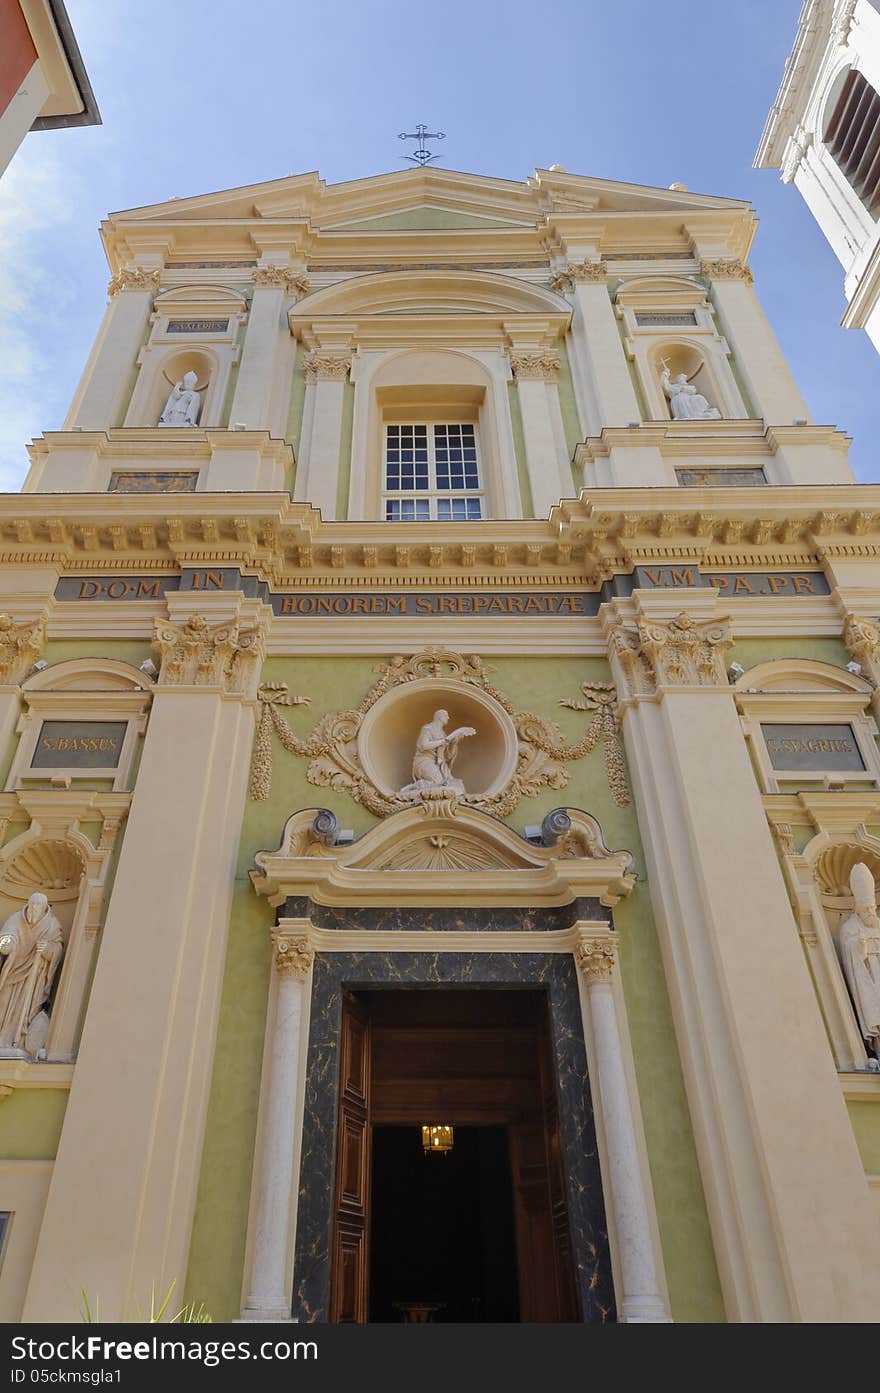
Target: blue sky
<point x="202" y="97"/>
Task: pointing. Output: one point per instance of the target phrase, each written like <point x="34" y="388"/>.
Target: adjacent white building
<point x="823" y="133"/>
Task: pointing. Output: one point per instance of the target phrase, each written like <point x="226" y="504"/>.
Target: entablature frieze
<point x="585" y="540"/>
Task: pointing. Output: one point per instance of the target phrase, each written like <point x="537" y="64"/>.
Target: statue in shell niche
<point x="435" y="754"/>
<point x="859" y="946"/>
<point x="31" y="947"/>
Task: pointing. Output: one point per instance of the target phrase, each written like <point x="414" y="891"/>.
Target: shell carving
<point x="835" y="864"/>
<point x="56" y="868"/>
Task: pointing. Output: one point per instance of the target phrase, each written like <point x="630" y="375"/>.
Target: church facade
<point x="439" y="714"/>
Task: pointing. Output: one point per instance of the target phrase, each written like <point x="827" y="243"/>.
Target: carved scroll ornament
<point x="197" y="653"/>
<point x="332" y="746"/>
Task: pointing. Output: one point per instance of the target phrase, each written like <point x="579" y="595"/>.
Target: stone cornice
<point x="584" y="541"/>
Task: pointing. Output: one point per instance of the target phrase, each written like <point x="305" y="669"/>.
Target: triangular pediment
<point x="425" y="218"/>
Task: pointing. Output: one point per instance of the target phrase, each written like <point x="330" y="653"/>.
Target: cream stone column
<point x="120" y="1207"/>
<point x="318" y="474"/>
<point x="537" y="372"/>
<point x="269" y="1283"/>
<point x="641" y="1298"/>
<point x="771" y="385"/>
<point x="595" y="332"/>
<point x="267" y="332"/>
<point x="100" y="400"/>
<point x="794" y="1232"/>
<point x="862" y="638"/>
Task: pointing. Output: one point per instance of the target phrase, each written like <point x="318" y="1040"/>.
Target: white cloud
<point x="38" y="200"/>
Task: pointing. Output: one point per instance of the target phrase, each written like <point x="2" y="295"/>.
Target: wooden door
<point x="351" y="1188"/>
<point x="543" y="1239"/>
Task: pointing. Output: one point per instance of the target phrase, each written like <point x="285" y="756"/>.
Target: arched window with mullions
<point x="852" y="138"/>
<point x="432" y="470"/>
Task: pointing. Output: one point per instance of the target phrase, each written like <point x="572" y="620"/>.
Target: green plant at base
<point x="189" y="1314"/>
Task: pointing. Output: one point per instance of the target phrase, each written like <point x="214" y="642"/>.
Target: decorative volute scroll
<point x="133" y="278"/>
<point x="428" y="854"/>
<point x="862" y="638"/>
<point x="595" y="956"/>
<point x="282" y="278"/>
<point x="338" y="757"/>
<point x="538" y="365"/>
<point x="677" y="653"/>
<point x="589" y="272"/>
<point x="196" y="653"/>
<point x="20" y="646"/>
<point x="727" y="270"/>
<point x="327" y="365"/>
<point x="293" y="953"/>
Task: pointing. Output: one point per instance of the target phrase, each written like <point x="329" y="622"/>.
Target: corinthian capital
<point x="591" y="272"/>
<point x="331" y="365"/>
<point x="20" y="646"/>
<point x="862" y="638"/>
<point x="200" y="654"/>
<point x="730" y="270"/>
<point x="595" y="957"/>
<point x="133" y="278"/>
<point x="535" y="366"/>
<point x="282" y="278"/>
<point x="293" y="953"/>
<point x="679" y="653"/>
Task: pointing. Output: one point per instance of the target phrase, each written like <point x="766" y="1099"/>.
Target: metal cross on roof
<point x="421" y="155"/>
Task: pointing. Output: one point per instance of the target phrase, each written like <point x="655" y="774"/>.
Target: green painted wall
<point x="120" y="650"/>
<point x="219" y="1232"/>
<point x="30" y="1123"/>
<point x="519" y="447"/>
<point x="424" y="219"/>
<point x="864" y="1114"/>
<point x="344" y="480"/>
<point x="233" y="378"/>
<point x="567" y="403"/>
<point x="750" y="652"/>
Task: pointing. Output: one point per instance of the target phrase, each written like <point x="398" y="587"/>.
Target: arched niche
<point x="193" y="328"/>
<point x="387" y="737"/>
<point x="66" y="868"/>
<point x="672" y="317"/>
<point x="80" y="724"/>
<point x="818" y="882"/>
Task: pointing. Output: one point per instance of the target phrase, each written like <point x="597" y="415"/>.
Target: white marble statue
<point x="859" y="944"/>
<point x="685" y="402"/>
<point x="436" y="751"/>
<point x="32" y="945"/>
<point x="182" y="406"/>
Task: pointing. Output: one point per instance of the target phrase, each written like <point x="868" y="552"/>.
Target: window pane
<point x="459" y="509"/>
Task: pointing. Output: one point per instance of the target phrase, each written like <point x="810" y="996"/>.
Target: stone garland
<point x="332" y="746"/>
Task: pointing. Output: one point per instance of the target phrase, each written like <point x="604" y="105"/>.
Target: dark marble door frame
<point x="555" y="973"/>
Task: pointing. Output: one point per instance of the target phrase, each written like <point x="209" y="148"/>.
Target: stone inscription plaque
<point x="732" y="583"/>
<point x="809" y="747"/>
<point x="721" y="478"/>
<point x="514" y="603"/>
<point x="198" y="326"/>
<point x="154" y="481"/>
<point x="79" y="745"/>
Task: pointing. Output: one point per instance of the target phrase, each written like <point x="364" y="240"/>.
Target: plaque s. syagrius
<point x="812" y="747"/>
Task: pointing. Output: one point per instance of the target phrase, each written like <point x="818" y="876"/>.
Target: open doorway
<point x="479" y="1232"/>
<point x="442" y="1228"/>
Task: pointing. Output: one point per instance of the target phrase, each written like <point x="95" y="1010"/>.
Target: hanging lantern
<point x="437" y="1136"/>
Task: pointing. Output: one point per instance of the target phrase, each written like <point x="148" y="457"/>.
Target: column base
<point x="643" y="1310"/>
<point x="269" y="1315"/>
